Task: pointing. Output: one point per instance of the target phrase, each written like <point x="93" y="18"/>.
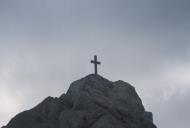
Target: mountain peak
<point x="93" y="78"/>
<point x="91" y="102"/>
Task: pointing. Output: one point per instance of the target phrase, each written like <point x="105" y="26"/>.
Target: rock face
<point x="91" y="102"/>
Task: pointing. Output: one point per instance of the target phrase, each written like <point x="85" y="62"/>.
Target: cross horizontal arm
<point x="95" y="62"/>
<point x="98" y="62"/>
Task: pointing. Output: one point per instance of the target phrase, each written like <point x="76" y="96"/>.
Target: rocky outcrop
<point x="91" y="102"/>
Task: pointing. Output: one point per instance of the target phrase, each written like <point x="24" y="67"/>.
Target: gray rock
<point x="91" y="102"/>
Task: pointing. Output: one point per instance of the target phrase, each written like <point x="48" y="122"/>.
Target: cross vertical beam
<point x="95" y="62"/>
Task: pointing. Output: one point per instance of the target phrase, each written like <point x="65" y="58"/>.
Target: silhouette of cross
<point x="95" y="62"/>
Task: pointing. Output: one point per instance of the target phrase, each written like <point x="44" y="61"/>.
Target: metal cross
<point x="95" y="62"/>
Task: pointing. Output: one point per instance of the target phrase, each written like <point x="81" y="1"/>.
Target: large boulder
<point x="91" y="102"/>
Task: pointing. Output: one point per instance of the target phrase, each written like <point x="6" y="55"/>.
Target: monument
<point x="95" y="62"/>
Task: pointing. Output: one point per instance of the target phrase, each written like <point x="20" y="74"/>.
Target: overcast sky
<point x="47" y="44"/>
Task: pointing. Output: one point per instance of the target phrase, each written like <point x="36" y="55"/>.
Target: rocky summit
<point x="91" y="102"/>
